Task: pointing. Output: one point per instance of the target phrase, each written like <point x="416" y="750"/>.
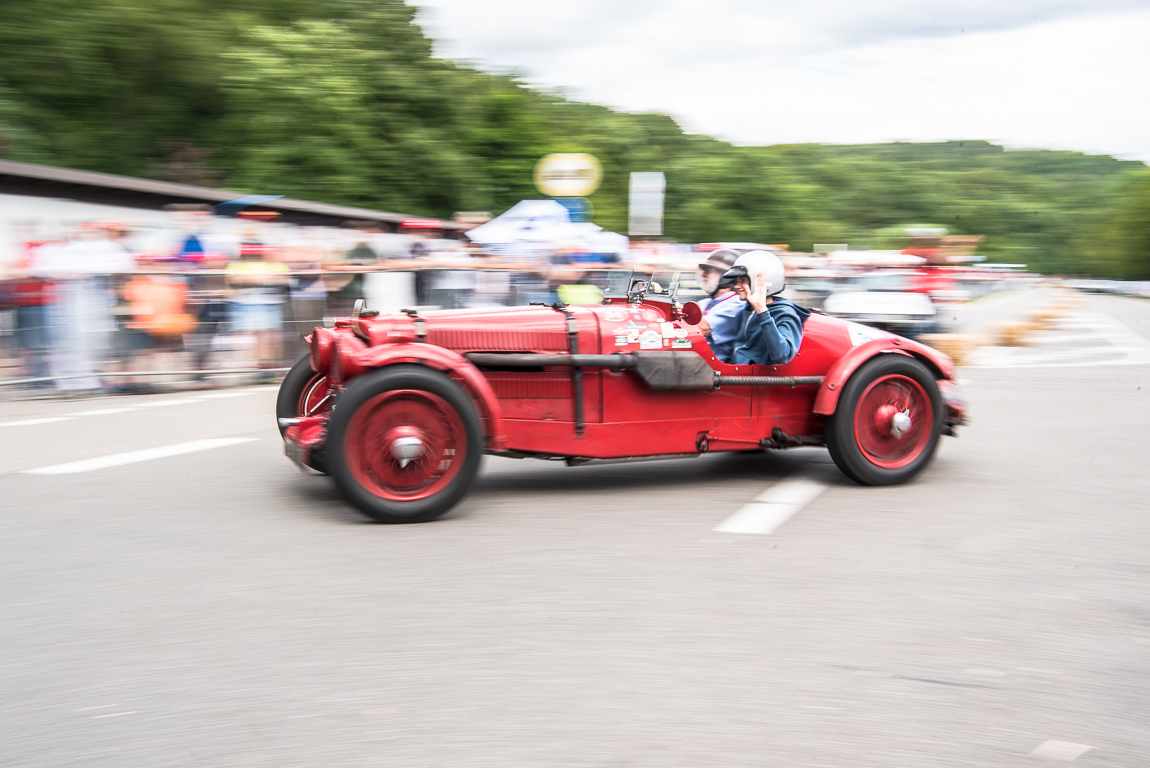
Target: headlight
<point x="322" y="341"/>
<point x="343" y="368"/>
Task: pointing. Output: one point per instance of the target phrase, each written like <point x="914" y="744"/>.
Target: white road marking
<point x="1105" y="337"/>
<point x="773" y="507"/>
<point x="216" y="395"/>
<point x="134" y="406"/>
<point x="132" y="457"/>
<point x="102" y="706"/>
<point x="30" y="422"/>
<point x="1063" y="751"/>
<point x="100" y="412"/>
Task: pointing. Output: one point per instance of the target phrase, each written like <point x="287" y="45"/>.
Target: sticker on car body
<point x="650" y="340"/>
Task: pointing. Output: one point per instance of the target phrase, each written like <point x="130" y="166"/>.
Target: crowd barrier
<point x="169" y="329"/>
<point x="160" y="328"/>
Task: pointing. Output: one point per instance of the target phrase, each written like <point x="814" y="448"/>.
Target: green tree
<point x="343" y="101"/>
<point x="1122" y="246"/>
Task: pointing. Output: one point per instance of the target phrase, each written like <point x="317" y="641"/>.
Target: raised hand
<point x="757" y="298"/>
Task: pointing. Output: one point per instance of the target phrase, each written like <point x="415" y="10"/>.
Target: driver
<point x="723" y="312"/>
<point x="771" y="328"/>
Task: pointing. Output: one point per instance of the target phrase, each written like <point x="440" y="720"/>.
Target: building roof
<point x="111" y="189"/>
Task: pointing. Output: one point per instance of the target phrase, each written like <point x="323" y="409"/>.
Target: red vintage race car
<point x="398" y="409"/>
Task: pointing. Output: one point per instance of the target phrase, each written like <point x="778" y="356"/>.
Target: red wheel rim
<point x="893" y="421"/>
<point x="316" y="396"/>
<point x="405" y="445"/>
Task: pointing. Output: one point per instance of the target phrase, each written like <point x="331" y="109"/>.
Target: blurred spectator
<point x="362" y="252"/>
<point x="157" y="321"/>
<point x="30" y="298"/>
<point x="306" y="300"/>
<point x="82" y="317"/>
<point x="450" y="288"/>
<point x="492" y="286"/>
<point x="257" y="287"/>
<point x="347" y="288"/>
<point x="193" y="222"/>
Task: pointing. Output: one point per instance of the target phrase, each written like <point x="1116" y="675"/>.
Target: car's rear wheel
<point x="303" y="392"/>
<point x="404" y="444"/>
<point x="888" y="421"/>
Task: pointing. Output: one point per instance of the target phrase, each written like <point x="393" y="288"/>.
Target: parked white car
<point x="883" y="300"/>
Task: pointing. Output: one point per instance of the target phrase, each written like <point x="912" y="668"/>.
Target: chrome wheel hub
<point x="406" y="450"/>
<point x="900" y="423"/>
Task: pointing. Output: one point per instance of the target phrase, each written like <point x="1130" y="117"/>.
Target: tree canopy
<point x="342" y="101"/>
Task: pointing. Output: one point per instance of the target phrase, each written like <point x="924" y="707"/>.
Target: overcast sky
<point x="1026" y="73"/>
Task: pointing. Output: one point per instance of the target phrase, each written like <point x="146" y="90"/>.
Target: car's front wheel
<point x="303" y="392"/>
<point x="404" y="444"/>
<point x="888" y="421"/>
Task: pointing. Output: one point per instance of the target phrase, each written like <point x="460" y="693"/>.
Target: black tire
<point x="415" y="388"/>
<point x="894" y="373"/>
<point x="292" y="389"/>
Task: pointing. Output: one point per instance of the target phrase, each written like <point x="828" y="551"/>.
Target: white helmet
<point x="756" y="264"/>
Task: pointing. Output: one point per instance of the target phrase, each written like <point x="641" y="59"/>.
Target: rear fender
<point x="451" y="363"/>
<point x="827" y="398"/>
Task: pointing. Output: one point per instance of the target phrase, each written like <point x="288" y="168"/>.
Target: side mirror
<point x="692" y="313"/>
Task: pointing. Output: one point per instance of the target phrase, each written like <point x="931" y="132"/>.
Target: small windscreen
<point x="663" y="285"/>
<point x="612" y="282"/>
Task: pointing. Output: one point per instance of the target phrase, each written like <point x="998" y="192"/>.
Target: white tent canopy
<point x="536" y="225"/>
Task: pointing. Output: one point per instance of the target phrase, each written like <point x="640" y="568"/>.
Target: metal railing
<point x="115" y="332"/>
<point x="229" y="327"/>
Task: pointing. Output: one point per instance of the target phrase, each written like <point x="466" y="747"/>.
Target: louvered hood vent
<point x="466" y="340"/>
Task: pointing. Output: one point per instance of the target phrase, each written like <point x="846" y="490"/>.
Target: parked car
<point x="886" y="300"/>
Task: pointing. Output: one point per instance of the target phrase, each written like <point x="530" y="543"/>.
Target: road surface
<point x="176" y="593"/>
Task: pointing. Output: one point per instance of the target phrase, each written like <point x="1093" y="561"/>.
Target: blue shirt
<point x="725" y="316"/>
<point x="772" y="337"/>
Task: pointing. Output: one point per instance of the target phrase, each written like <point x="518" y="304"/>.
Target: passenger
<point x="772" y="327"/>
<point x="723" y="312"/>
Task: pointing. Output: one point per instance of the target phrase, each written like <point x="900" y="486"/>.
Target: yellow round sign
<point x="568" y="174"/>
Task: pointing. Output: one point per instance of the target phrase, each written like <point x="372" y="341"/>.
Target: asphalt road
<point x="219" y="608"/>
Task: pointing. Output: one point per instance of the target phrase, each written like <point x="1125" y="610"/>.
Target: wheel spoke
<point x="316" y="394"/>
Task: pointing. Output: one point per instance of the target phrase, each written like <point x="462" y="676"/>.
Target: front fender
<point x="827" y="398"/>
<point x="449" y="362"/>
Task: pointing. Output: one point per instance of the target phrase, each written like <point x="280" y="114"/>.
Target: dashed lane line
<point x="239" y="393"/>
<point x="774" y="506"/>
<point x="1062" y="751"/>
<point x="132" y="407"/>
<point x="30" y="422"/>
<point x="100" y="412"/>
<point x="133" y="457"/>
